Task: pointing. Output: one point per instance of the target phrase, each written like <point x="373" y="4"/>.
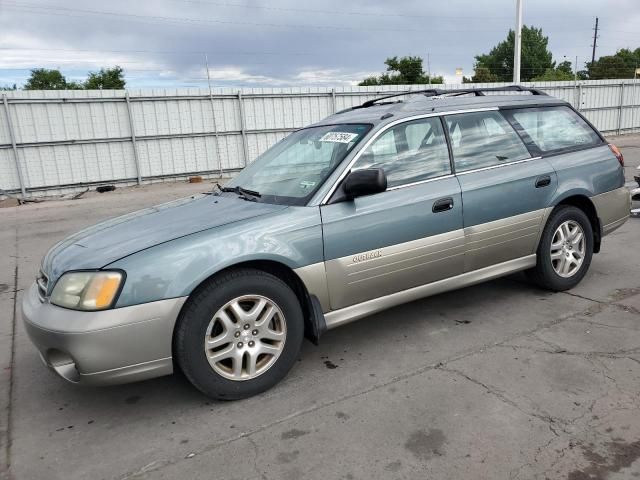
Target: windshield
<point x="293" y="169"/>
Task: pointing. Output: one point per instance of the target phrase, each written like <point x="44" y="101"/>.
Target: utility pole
<point x="213" y="115"/>
<point x="206" y="63"/>
<point x="429" y="68"/>
<point x="595" y="42"/>
<point x="517" y="51"/>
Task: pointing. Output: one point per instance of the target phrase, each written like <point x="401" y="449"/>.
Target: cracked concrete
<point x="500" y="380"/>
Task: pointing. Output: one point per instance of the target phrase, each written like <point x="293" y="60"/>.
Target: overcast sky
<point x="287" y="43"/>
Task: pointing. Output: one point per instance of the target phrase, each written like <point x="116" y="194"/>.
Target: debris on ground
<point x="79" y="194"/>
<point x="9" y="202"/>
<point x="105" y="188"/>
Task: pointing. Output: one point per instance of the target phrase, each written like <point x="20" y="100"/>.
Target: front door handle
<point x="442" y="205"/>
<point x="543" y="181"/>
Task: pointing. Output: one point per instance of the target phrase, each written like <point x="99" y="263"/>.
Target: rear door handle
<point x="442" y="205"/>
<point x="543" y="181"/>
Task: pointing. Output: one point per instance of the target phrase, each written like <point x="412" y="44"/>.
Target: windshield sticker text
<point x="339" y="137"/>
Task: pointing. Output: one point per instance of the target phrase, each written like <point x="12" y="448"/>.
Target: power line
<point x="363" y="13"/>
<point x="217" y="53"/>
<point x="76" y="12"/>
<point x="332" y="12"/>
<point x="169" y="52"/>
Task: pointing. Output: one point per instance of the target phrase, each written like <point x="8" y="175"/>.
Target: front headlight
<point x="86" y="290"/>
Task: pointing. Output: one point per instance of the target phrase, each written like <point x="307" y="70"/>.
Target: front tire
<point x="565" y="250"/>
<point x="239" y="334"/>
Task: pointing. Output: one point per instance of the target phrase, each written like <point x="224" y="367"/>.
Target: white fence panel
<point x="9" y="180"/>
<point x="67" y="140"/>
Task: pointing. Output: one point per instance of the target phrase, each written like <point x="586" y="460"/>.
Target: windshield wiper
<point x="244" y="193"/>
<point x="247" y="192"/>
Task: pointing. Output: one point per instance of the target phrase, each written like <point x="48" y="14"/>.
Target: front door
<point x="504" y="190"/>
<point x="409" y="235"/>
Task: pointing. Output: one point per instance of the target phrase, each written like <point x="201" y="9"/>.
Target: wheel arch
<point x="584" y="203"/>
<point x="314" y="321"/>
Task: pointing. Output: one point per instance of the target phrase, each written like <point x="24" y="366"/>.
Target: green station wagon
<point x="399" y="198"/>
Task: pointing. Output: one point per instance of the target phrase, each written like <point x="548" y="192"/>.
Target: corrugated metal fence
<point x="59" y="141"/>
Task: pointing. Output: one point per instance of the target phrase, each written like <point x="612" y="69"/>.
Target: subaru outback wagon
<point x="399" y="198"/>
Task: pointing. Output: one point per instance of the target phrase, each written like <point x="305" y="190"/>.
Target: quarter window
<point x="556" y="128"/>
<point x="483" y="139"/>
<point x="409" y="152"/>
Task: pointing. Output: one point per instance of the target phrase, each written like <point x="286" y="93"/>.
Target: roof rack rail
<point x="433" y="92"/>
<point x="372" y="102"/>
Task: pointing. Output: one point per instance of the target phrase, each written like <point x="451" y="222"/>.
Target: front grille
<point x="43" y="285"/>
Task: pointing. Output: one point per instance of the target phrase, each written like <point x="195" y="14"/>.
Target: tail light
<point x="616" y="151"/>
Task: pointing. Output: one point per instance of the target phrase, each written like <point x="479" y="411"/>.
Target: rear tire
<point x="239" y="334"/>
<point x="565" y="250"/>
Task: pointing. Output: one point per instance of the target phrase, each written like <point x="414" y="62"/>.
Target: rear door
<point x="407" y="236"/>
<point x="504" y="189"/>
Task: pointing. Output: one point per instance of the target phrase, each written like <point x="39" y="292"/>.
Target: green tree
<point x="553" y="75"/>
<point x="9" y="88"/>
<point x="536" y="57"/>
<point x="402" y="71"/>
<point x="620" y="65"/>
<point x="45" y="79"/>
<point x="481" y="75"/>
<point x="562" y="72"/>
<point x="106" y="78"/>
<point x="565" y="67"/>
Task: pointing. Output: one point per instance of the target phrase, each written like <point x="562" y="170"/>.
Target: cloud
<point x="284" y="42"/>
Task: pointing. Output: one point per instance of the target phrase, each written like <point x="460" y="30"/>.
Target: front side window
<point x="409" y="152"/>
<point x="556" y="128"/>
<point x="292" y="170"/>
<point x="483" y="139"/>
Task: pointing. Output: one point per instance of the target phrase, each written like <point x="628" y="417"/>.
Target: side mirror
<point x="366" y="181"/>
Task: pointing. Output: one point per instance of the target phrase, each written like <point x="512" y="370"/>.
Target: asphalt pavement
<point x="496" y="381"/>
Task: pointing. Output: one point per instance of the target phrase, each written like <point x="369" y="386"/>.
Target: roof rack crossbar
<point x="433" y="92"/>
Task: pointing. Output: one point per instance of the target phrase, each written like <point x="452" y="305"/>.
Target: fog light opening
<point x="63" y="364"/>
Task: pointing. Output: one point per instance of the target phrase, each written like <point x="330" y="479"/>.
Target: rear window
<point x="556" y="128"/>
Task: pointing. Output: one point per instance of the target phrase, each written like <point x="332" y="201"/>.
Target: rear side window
<point x="483" y="139"/>
<point x="556" y="128"/>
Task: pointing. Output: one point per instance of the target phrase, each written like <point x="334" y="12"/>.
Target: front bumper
<point x="106" y="347"/>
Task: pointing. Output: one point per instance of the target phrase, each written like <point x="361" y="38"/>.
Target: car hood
<point x="106" y="242"/>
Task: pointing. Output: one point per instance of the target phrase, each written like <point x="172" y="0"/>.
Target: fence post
<point x="333" y="99"/>
<point x="12" y="136"/>
<point x="633" y="106"/>
<point x="133" y="137"/>
<point x="242" y="129"/>
<point x="619" y="129"/>
<point x="580" y="87"/>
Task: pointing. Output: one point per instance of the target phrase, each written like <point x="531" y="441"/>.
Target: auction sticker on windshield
<point x="339" y="137"/>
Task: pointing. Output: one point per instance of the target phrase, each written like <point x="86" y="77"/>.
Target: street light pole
<point x="517" y="43"/>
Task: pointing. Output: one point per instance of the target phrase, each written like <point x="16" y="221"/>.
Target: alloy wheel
<point x="245" y="337"/>
<point x="568" y="247"/>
